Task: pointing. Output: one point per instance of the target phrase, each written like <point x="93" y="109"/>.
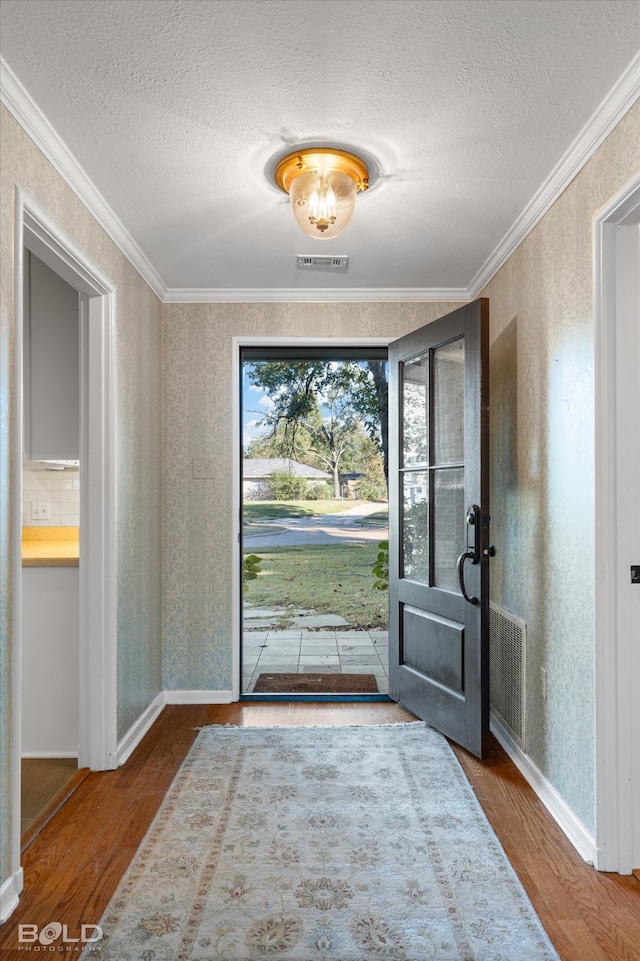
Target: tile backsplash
<point x="60" y="489"/>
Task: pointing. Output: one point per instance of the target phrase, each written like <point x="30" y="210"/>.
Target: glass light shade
<point x="322" y="202"/>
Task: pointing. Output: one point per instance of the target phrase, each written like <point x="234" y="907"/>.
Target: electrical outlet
<point x="40" y="512"/>
<point x="543" y="682"/>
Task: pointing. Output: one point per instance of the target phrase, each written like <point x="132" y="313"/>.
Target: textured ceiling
<point x="174" y="109"/>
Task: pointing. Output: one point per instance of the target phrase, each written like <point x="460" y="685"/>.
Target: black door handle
<point x="472" y="552"/>
<point x="466" y="555"/>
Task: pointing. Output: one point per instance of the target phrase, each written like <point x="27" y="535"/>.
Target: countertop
<point x="50" y="546"/>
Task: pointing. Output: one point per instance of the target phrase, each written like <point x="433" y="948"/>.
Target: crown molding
<point x="20" y="104"/>
<point x="298" y="295"/>
<point x="622" y="96"/>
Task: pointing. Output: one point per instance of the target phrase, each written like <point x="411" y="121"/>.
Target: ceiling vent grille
<point x="322" y="262"/>
<point x="507" y="662"/>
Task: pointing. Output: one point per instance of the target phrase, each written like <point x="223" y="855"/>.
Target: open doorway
<point x="96" y="745"/>
<point x="314" y="511"/>
<point x="50" y="717"/>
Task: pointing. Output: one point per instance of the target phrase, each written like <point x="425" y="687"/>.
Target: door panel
<point x="438" y="632"/>
<point x="442" y="658"/>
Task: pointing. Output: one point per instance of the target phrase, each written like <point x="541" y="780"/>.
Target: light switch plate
<point x="202" y="467"/>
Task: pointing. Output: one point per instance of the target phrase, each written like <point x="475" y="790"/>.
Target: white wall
<point x="50" y="674"/>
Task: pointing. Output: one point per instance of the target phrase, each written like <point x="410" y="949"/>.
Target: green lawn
<point x="325" y="579"/>
<point x="275" y="510"/>
<point x="379" y="519"/>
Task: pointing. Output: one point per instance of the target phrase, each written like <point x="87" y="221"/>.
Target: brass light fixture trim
<point x="321" y="158"/>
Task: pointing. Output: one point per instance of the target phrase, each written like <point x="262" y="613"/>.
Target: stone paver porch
<point x="322" y="651"/>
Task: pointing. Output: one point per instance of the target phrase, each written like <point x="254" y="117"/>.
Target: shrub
<point x="367" y="490"/>
<point x="284" y="486"/>
<point x="250" y="570"/>
<point x="319" y="492"/>
<point x="380" y="569"/>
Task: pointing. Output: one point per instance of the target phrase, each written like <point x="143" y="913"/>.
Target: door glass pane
<point x="415" y="526"/>
<point x="448" y="377"/>
<point x="450" y="527"/>
<point x="415" y="411"/>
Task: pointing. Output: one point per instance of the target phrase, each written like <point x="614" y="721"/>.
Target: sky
<point x="255" y="403"/>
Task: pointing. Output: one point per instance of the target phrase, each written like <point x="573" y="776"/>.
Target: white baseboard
<point x="198" y="697"/>
<point x="10" y="895"/>
<point x="559" y="810"/>
<point x="137" y="731"/>
<point x="56" y="754"/>
<point x="130" y="741"/>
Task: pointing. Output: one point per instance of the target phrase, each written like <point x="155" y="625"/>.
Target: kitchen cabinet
<point x="50" y="652"/>
<point x="51" y="364"/>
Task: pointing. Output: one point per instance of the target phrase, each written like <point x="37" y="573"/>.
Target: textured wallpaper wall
<point x="198" y="407"/>
<point x="139" y="366"/>
<point x="542" y="463"/>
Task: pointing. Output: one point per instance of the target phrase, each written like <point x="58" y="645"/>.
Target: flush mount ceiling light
<point x="322" y="183"/>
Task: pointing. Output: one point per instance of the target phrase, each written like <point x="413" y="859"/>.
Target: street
<point x="326" y="529"/>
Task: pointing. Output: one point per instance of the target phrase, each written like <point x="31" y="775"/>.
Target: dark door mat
<point x="316" y="684"/>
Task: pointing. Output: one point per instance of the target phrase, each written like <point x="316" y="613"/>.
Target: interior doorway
<point x="50" y="722"/>
<point x="97" y="747"/>
<point x="314" y="512"/>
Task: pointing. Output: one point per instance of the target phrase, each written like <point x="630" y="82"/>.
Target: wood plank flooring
<point x="45" y="785"/>
<point x="589" y="915"/>
<point x="72" y="868"/>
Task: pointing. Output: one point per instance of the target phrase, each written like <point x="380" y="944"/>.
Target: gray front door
<point x="439" y="527"/>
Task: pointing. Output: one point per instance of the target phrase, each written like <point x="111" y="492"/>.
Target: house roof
<point x="261" y="467"/>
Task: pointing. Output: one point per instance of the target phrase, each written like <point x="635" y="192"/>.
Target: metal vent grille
<point x="320" y="262"/>
<point x="507" y="662"/>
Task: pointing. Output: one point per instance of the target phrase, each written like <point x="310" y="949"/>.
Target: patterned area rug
<point x="321" y="844"/>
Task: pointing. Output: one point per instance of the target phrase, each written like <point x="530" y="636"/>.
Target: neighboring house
<point x="257" y="471"/>
<point x="349" y="484"/>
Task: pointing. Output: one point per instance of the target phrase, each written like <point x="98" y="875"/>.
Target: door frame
<point x="616" y="781"/>
<point x="236" y="472"/>
<point x="34" y="230"/>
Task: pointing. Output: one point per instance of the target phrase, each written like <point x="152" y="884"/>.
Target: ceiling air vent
<point x="322" y="262"/>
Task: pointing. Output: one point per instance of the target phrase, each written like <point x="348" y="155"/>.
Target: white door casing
<point x="617" y="529"/>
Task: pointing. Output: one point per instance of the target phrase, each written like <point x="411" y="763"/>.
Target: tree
<point x="276" y="443"/>
<point x="352" y="396"/>
<point x="332" y="434"/>
<point x="369" y="389"/>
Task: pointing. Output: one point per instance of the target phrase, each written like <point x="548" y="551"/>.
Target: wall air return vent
<point x="507" y="663"/>
<point x="322" y="262"/>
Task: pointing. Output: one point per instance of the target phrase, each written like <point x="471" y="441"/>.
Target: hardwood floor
<point x="73" y="866"/>
<point x="47" y="782"/>
<point x="589" y="915"/>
